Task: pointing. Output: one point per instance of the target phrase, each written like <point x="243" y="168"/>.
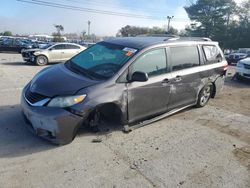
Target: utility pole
<point x="169" y="19"/>
<point x="89" y="22"/>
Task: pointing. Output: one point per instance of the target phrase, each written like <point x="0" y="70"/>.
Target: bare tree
<point x="58" y="34"/>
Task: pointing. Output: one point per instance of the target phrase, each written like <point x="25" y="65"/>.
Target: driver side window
<point x="153" y="62"/>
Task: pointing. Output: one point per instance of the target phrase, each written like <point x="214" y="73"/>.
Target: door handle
<point x="178" y="78"/>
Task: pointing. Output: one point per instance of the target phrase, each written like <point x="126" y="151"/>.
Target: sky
<point x="24" y="18"/>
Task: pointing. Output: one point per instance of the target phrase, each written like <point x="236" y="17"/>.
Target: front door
<point x="146" y="99"/>
<point x="56" y="52"/>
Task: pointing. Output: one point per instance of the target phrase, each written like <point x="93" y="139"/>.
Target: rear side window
<point x="153" y="63"/>
<point x="183" y="57"/>
<point x="212" y="54"/>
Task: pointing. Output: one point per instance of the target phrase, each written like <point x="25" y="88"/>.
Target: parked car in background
<point x="134" y="81"/>
<point x="59" y="52"/>
<point x="235" y="57"/>
<point x="40" y="44"/>
<point x="243" y="69"/>
<point x="226" y="55"/>
<point x="244" y="50"/>
<point x="14" y="45"/>
<point x="87" y="44"/>
<point x="242" y="53"/>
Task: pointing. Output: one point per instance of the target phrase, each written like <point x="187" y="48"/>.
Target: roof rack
<point x="158" y="35"/>
<point x="194" y="39"/>
<point x="176" y="37"/>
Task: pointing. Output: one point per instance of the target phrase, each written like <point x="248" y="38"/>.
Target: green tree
<point x="211" y="18"/>
<point x="172" y="31"/>
<point x="241" y="30"/>
<point x="6" y="33"/>
<point x="131" y="31"/>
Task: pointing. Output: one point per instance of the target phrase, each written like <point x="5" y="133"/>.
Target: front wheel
<point x="204" y="95"/>
<point x="41" y="60"/>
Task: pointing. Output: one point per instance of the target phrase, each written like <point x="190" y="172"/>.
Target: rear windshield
<point x="102" y="60"/>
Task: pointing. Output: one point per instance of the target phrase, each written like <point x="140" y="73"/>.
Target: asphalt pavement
<point x="207" y="147"/>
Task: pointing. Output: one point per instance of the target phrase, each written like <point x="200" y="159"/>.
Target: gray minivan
<point x="134" y="80"/>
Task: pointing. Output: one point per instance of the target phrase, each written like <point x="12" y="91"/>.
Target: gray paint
<point x="137" y="101"/>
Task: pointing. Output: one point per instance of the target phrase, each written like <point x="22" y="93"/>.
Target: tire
<point x="41" y="60"/>
<point x="238" y="77"/>
<point x="20" y="51"/>
<point x="204" y="95"/>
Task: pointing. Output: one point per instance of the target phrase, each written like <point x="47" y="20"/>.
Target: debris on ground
<point x="97" y="140"/>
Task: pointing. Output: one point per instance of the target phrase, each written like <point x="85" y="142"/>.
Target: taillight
<point x="225" y="66"/>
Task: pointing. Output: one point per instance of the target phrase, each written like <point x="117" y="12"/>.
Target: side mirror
<point x="139" y="77"/>
<point x="51" y="49"/>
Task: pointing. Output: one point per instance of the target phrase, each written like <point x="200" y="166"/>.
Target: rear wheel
<point x="41" y="60"/>
<point x="204" y="95"/>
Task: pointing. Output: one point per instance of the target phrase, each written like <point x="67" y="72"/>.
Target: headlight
<point x="37" y="53"/>
<point x="66" y="101"/>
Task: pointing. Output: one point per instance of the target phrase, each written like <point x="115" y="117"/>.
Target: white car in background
<point x="243" y="68"/>
<point x="59" y="52"/>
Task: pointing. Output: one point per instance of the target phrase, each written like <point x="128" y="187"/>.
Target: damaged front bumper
<point x="54" y="124"/>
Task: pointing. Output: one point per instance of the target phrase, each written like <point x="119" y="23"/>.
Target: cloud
<point x="181" y="20"/>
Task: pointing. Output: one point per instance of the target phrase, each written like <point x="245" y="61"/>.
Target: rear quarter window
<point x="72" y="47"/>
<point x="212" y="54"/>
<point x="183" y="57"/>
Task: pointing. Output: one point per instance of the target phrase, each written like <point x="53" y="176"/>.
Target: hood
<point x="246" y="61"/>
<point x="58" y="80"/>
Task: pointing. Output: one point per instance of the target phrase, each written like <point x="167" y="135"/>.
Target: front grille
<point x="237" y="57"/>
<point x="231" y="56"/>
<point x="247" y="66"/>
<point x="34" y="97"/>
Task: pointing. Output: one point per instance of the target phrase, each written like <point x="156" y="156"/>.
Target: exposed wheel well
<point x="213" y="90"/>
<point x="109" y="113"/>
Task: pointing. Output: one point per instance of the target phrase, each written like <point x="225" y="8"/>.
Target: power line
<point x="82" y="9"/>
<point x="96" y="3"/>
<point x="57" y="5"/>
